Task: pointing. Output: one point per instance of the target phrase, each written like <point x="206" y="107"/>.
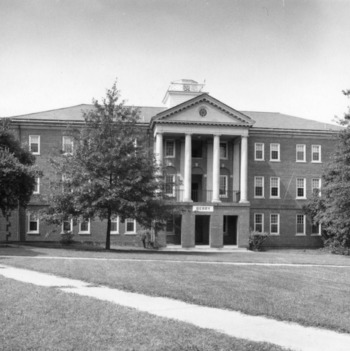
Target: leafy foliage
<point x="112" y="171"/>
<point x="256" y="240"/>
<point x="17" y="171"/>
<point x="332" y="208"/>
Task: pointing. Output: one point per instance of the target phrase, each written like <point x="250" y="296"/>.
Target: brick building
<point x="231" y="171"/>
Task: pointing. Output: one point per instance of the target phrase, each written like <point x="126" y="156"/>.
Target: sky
<point x="288" y="56"/>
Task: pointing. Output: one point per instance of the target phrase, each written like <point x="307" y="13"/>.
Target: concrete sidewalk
<point x="235" y="324"/>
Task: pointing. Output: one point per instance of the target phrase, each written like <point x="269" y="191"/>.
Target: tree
<point x="332" y="209"/>
<point x="111" y="172"/>
<point x="17" y="171"/>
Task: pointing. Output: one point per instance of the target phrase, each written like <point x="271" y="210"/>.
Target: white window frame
<point x="263" y="187"/>
<point x="303" y="146"/>
<point x="226" y="150"/>
<point x="262" y="222"/>
<point x="304" y="225"/>
<point x="115" y="220"/>
<point x="71" y="226"/>
<point x="172" y="193"/>
<point x="225" y="195"/>
<point x="37" y="185"/>
<point x="85" y="232"/>
<point x="319" y="230"/>
<point x="37" y="231"/>
<point x="278" y="187"/>
<point x="314" y="152"/>
<point x="272" y="145"/>
<point x="174" y="152"/>
<point x="299" y="187"/>
<point x="31" y="142"/>
<point x="64" y="143"/>
<point x="262" y="151"/>
<point x="278" y="223"/>
<point x="129" y="220"/>
<point x="318" y="188"/>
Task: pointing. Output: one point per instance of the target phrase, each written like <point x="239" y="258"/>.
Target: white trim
<point x="115" y="220"/>
<point x="172" y="184"/>
<point x="278" y="187"/>
<point x="86" y="232"/>
<point x="71" y="226"/>
<point x="318" y="188"/>
<point x="319" y="231"/>
<point x="278" y="223"/>
<point x="278" y="150"/>
<point x="31" y="142"/>
<point x="174" y="147"/>
<point x="313" y="152"/>
<point x="226" y="150"/>
<point x="126" y="226"/>
<point x="262" y="150"/>
<point x="298" y="187"/>
<point x="262" y="222"/>
<point x="304" y="225"/>
<point x="304" y="152"/>
<point x="226" y="186"/>
<point x="64" y="143"/>
<point x="263" y="188"/>
<point x="37" y="181"/>
<point x="37" y="231"/>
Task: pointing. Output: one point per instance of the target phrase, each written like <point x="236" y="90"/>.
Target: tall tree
<point x="17" y="171"/>
<point x="332" y="209"/>
<point x="111" y="172"/>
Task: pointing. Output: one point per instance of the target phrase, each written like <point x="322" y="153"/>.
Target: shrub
<point x="256" y="240"/>
<point x="67" y="238"/>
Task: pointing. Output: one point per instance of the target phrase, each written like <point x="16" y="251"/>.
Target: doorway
<point x="202" y="225"/>
<point x="230" y="230"/>
<point x="197" y="188"/>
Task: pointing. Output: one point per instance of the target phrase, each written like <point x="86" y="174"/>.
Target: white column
<point x="244" y="169"/>
<point x="159" y="149"/>
<point x="216" y="169"/>
<point x="188" y="168"/>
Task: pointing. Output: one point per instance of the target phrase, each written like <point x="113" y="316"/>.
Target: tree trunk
<point x="108" y="234"/>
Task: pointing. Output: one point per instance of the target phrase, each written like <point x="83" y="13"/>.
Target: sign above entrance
<point x="203" y="208"/>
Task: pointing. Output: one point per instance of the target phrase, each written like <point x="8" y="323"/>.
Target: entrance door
<point x="202" y="225"/>
<point x="230" y="230"/>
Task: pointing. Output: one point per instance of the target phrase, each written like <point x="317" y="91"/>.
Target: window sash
<point x="301" y="188"/>
<point x="223" y="186"/>
<point x="67" y="145"/>
<point x="274" y="152"/>
<point x="169" y="148"/>
<point x="259" y="151"/>
<point x="223" y="150"/>
<point x="316" y="186"/>
<point x="170" y="184"/>
<point x="274" y="223"/>
<point x="274" y="187"/>
<point x="300" y="153"/>
<point x="300" y="225"/>
<point x="115" y="226"/>
<point x="130" y="226"/>
<point x="67" y="226"/>
<point x="84" y="227"/>
<point x="34" y="144"/>
<point x="33" y="224"/>
<point x="316" y="153"/>
<point x="259" y="222"/>
<point x="37" y="186"/>
<point x="259" y="187"/>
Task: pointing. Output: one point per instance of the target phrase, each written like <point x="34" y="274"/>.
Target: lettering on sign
<point x="203" y="208"/>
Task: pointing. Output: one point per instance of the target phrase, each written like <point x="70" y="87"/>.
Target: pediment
<point x="203" y="110"/>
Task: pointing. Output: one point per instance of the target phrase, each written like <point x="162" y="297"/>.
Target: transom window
<point x="169" y="148"/>
<point x="316" y="186"/>
<point x="259" y="151"/>
<point x="301" y="193"/>
<point x="33" y="224"/>
<point x="259" y="187"/>
<point x="274" y="152"/>
<point x="316" y="153"/>
<point x="34" y="144"/>
<point x="223" y="150"/>
<point x="115" y="226"/>
<point x="67" y="145"/>
<point x="300" y="150"/>
<point x="274" y="223"/>
<point x="130" y="226"/>
<point x="274" y="187"/>
<point x="259" y="222"/>
<point x="300" y="224"/>
<point x="223" y="186"/>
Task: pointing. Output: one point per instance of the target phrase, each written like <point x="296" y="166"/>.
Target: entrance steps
<point x="204" y="248"/>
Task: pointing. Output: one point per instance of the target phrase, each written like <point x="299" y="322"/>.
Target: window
<point x="316" y="186"/>
<point x="301" y="193"/>
<point x="33" y="224"/>
<point x="274" y="152"/>
<point x="300" y="224"/>
<point x="300" y="150"/>
<point x="84" y="227"/>
<point x="258" y="222"/>
<point x="259" y="151"/>
<point x="274" y="187"/>
<point x="258" y="187"/>
<point x="223" y="186"/>
<point x="169" y="148"/>
<point x="170" y="184"/>
<point x="130" y="226"/>
<point x="223" y="150"/>
<point x="274" y="224"/>
<point x="37" y="186"/>
<point x="67" y="226"/>
<point x="316" y="153"/>
<point x="67" y="145"/>
<point x="115" y="226"/>
<point x="34" y="144"/>
<point x="197" y="147"/>
<point x="316" y="229"/>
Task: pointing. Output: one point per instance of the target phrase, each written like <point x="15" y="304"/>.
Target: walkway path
<point x="235" y="324"/>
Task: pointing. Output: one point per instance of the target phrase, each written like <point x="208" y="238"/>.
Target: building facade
<point x="231" y="172"/>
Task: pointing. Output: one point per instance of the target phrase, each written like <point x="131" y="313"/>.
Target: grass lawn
<point x="45" y="319"/>
<point x="316" y="296"/>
